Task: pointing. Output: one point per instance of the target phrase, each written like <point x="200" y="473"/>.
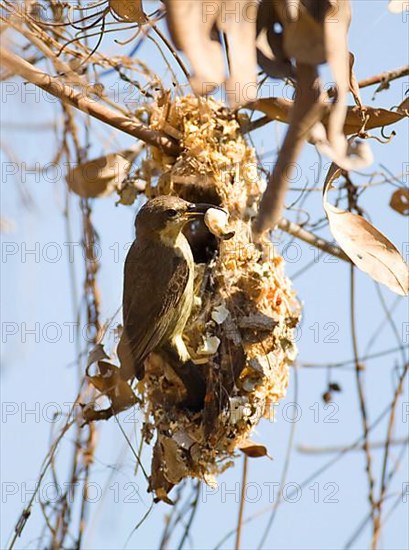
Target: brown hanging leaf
<point x="100" y="177"/>
<point x="128" y="10"/>
<point x="195" y="25"/>
<point x="191" y="28"/>
<point x="109" y="383"/>
<point x="96" y="354"/>
<point x="397" y="6"/>
<point x="241" y="85"/>
<point x="374" y="118"/>
<point x="270" y="49"/>
<point x="367" y="247"/>
<point x="280" y="109"/>
<point x="353" y="82"/>
<point x="304" y="38"/>
<point x="400" y="201"/>
<point x="253" y="450"/>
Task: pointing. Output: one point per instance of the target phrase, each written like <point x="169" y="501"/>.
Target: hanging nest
<point x="240" y="333"/>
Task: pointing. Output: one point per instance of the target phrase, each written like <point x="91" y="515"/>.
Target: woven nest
<point x="240" y="333"/>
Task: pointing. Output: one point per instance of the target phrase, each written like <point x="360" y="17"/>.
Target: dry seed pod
<point x="216" y="221"/>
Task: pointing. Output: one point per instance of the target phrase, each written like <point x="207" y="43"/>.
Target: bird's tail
<point x="128" y="367"/>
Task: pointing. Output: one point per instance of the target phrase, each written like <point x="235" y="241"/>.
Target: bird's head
<point x="165" y="216"/>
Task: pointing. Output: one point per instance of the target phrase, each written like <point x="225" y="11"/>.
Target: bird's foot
<point x="180" y="348"/>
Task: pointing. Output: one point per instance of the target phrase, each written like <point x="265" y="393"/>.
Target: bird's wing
<point x="146" y="320"/>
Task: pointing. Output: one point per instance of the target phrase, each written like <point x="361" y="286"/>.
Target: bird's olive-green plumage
<point x="158" y="283"/>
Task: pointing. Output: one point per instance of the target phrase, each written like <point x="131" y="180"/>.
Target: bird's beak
<point x="200" y="209"/>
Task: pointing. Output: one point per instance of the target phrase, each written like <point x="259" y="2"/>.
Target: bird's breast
<point x="183" y="250"/>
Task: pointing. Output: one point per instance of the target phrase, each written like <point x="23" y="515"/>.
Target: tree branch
<point x="300" y="233"/>
<point x="384" y="78"/>
<point x="306" y="111"/>
<point x="306" y="449"/>
<point x="84" y="103"/>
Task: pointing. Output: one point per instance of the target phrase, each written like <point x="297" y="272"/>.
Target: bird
<point x="158" y="283"/>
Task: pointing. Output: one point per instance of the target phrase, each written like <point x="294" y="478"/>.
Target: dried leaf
<point x="400" y="201"/>
<point x="304" y="35"/>
<point x="96" y="354"/>
<point x="367" y="247"/>
<point x="280" y="109"/>
<point x="269" y="42"/>
<point x="397" y="6"/>
<point x="192" y="25"/>
<point x="353" y="83"/>
<point x="240" y="33"/>
<point x="375" y="118"/>
<point x="98" y="177"/>
<point x="128" y="10"/>
<point x="252" y="449"/>
<point x="109" y="383"/>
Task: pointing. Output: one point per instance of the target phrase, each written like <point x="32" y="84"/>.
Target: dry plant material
<point x="397" y="6"/>
<point x="195" y="26"/>
<point x="240" y="334"/>
<point x="309" y="35"/>
<point x="400" y="201"/>
<point x="217" y="222"/>
<point x="109" y="384"/>
<point x="357" y="120"/>
<point x="252" y="449"/>
<point x="102" y="176"/>
<point x="128" y="10"/>
<point x="367" y="247"/>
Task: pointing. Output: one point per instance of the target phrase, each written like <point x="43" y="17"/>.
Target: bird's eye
<point x="171" y="213"/>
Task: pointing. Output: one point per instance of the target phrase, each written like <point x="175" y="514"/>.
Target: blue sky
<point x="39" y="376"/>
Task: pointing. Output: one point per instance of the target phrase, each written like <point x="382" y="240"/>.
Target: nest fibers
<point x="240" y="333"/>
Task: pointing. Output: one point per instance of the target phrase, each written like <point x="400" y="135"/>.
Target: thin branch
<point x="384" y="78"/>
<point x="312" y="477"/>
<point x="305" y="449"/>
<point x="300" y="233"/>
<point x="362" y="402"/>
<point x="389" y="442"/>
<point x="194" y="505"/>
<point x="242" y="501"/>
<point x="81" y="101"/>
<point x="339" y="364"/>
<point x="306" y="111"/>
<point x="286" y="468"/>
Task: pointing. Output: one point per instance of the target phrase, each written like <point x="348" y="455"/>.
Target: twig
<point x="385" y="77"/>
<point x="348" y="361"/>
<point x="242" y="500"/>
<point x="313" y="477"/>
<point x="361" y="396"/>
<point x="66" y="93"/>
<point x="194" y="505"/>
<point x="22" y="521"/>
<point x="388" y="444"/>
<point x="300" y="233"/>
<point x="337" y="449"/>
<point x="286" y="468"/>
<point x="306" y="111"/>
